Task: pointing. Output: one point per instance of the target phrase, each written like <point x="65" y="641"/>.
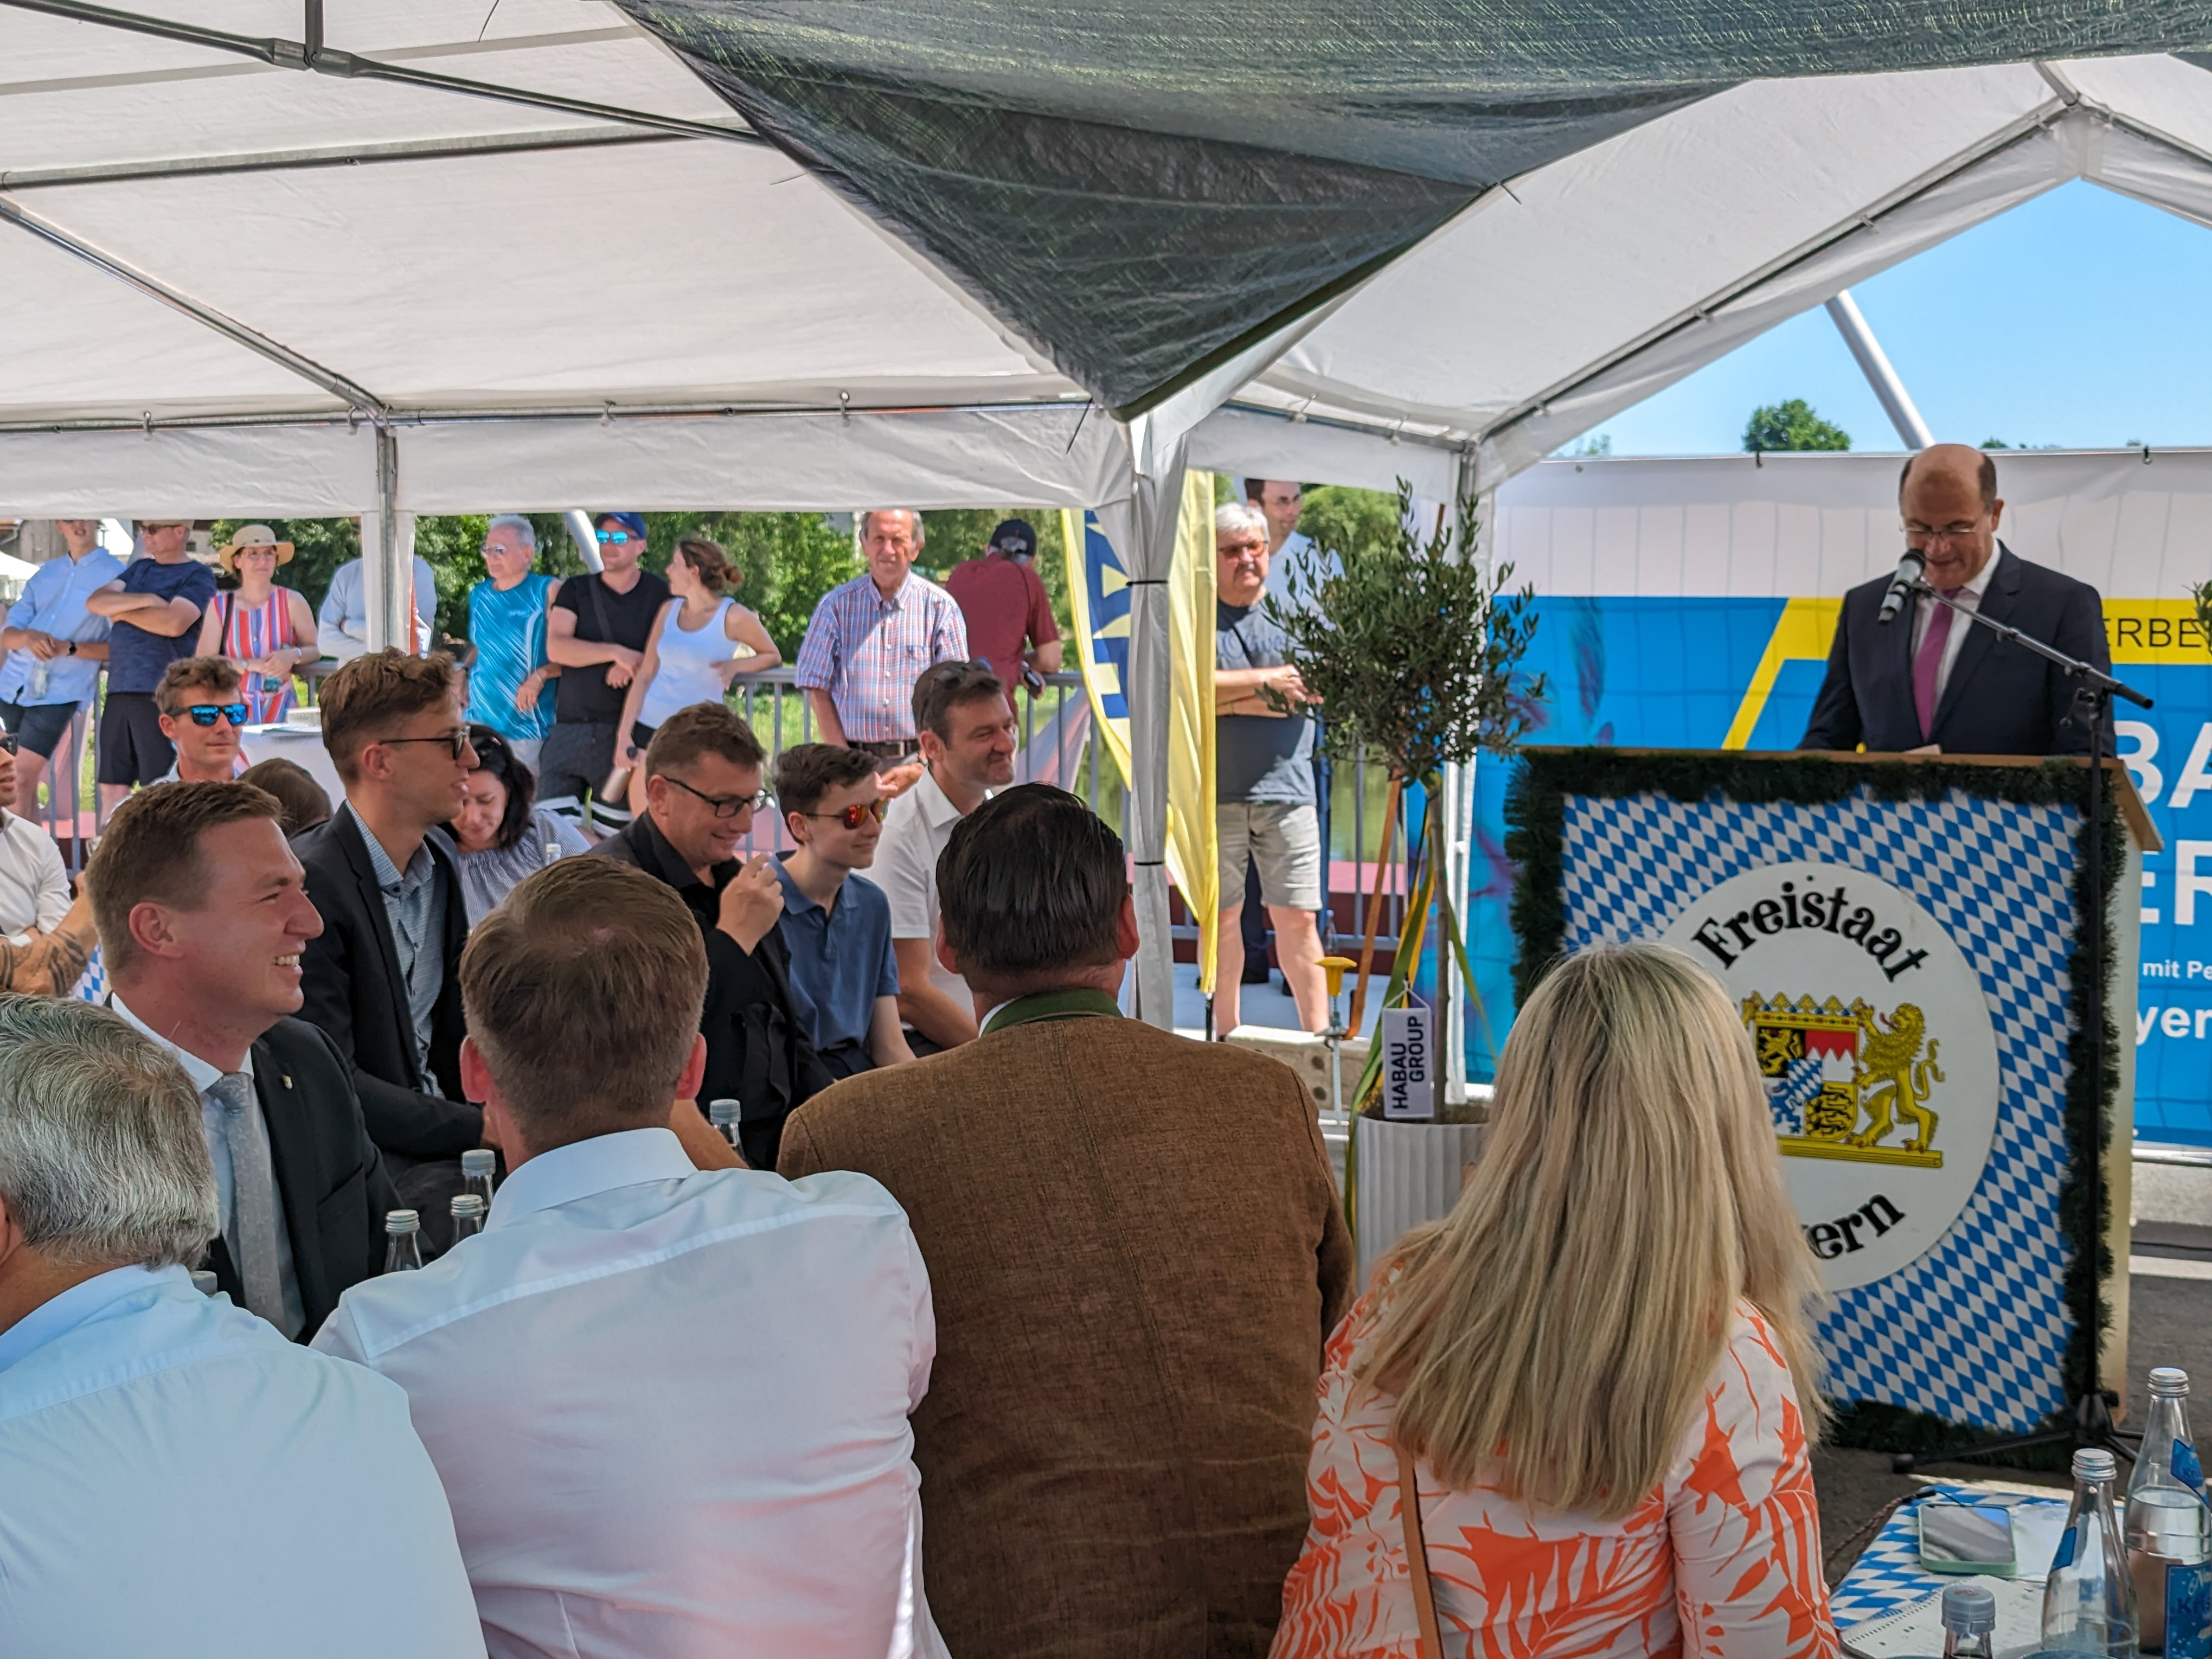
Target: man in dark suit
<point x="202" y="915"/>
<point x="702" y="784"/>
<point x="1932" y="680"/>
<point x="383" y="977"/>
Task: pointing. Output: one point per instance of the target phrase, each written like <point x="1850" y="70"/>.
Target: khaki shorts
<point x="1284" y="841"/>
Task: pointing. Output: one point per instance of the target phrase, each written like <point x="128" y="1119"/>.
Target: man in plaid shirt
<point x="871" y="638"/>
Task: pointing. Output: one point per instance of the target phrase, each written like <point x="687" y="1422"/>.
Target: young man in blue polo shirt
<point x="836" y="924"/>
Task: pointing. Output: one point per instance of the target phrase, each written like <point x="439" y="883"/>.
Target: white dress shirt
<point x="916" y="826"/>
<point x="204" y="1077"/>
<point x="1968" y="598"/>
<point x="33" y="887"/>
<point x="670" y="1406"/>
<point x="177" y="1479"/>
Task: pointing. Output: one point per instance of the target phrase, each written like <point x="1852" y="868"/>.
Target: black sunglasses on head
<point x="204" y="713"/>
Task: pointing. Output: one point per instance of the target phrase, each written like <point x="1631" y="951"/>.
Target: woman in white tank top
<point x="699" y="642"/>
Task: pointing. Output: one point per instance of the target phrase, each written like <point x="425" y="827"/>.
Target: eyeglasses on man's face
<point x="857" y="814"/>
<point x="455" y="742"/>
<point x="725" y="806"/>
<point x="6" y="743"/>
<point x="618" y="536"/>
<point x="205" y="714"/>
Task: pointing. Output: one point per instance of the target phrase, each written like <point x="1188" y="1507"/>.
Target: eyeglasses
<point x="614" y="535"/>
<point x="725" y="806"/>
<point x="857" y="814"/>
<point x="456" y="742"/>
<point x="6" y="743"/>
<point x="204" y="713"/>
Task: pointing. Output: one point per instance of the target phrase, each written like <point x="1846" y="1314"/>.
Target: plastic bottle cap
<point x="2169" y="1380"/>
<point x="719" y="1112"/>
<point x="203" y="1281"/>
<point x="478" y="1160"/>
<point x="1969" y="1610"/>
<point x="402" y="1221"/>
<point x="465" y="1204"/>
<point x="2094" y="1463"/>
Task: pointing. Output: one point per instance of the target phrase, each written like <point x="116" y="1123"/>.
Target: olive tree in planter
<point x="1410" y="649"/>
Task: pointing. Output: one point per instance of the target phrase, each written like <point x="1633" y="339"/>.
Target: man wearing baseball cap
<point x="155" y="607"/>
<point x="597" y="632"/>
<point x="1009" y="615"/>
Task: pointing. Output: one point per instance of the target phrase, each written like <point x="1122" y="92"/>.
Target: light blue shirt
<point x="181" y="1481"/>
<point x="345" y="607"/>
<point x="54" y="602"/>
<point x="670" y="1406"/>
<point x="214" y="1125"/>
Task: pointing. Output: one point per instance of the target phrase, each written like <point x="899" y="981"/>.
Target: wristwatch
<point x="72" y="647"/>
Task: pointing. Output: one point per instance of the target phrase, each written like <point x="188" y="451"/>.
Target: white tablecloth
<point x="301" y="744"/>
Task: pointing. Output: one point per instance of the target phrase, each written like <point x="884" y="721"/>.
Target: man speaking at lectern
<point x="1931" y="679"/>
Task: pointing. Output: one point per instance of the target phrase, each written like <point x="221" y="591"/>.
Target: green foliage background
<point x="785" y="561"/>
<point x="1791" y="425"/>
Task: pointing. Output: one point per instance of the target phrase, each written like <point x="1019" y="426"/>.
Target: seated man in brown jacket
<point x="1135" y="1251"/>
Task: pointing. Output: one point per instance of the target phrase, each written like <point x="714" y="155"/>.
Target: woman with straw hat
<point x="269" y="630"/>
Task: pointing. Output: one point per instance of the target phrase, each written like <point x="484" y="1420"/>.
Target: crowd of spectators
<point x="1067" y="1287"/>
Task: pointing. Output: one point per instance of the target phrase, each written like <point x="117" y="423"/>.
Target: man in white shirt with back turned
<point x="669" y="1405"/>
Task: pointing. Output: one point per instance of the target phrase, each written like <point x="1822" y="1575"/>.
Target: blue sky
<point x="2082" y="319"/>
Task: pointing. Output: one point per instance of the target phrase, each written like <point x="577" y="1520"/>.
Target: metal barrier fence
<point x="1057" y="746"/>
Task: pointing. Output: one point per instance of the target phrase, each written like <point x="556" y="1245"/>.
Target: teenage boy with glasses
<point x="837" y="925"/>
<point x="200" y="712"/>
<point x="381" y="978"/>
<point x="702" y="786"/>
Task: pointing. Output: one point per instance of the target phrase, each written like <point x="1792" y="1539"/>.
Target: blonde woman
<point x="1600" y="1366"/>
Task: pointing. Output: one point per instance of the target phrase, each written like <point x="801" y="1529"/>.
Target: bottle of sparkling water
<point x="723" y="1115"/>
<point x="468" y="1216"/>
<point x="402" y="1234"/>
<point x="2169" y="1534"/>
<point x="1970" y="1622"/>
<point x="476" y="1166"/>
<point x="2089" y="1603"/>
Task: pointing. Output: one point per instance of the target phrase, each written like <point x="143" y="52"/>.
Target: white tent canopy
<point x="1596" y="282"/>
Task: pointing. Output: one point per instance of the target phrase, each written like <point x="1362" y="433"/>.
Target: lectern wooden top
<point x="2133" y="813"/>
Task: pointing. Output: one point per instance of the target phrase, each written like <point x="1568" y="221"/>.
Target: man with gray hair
<point x="181" y="1479"/>
<point x="510" y="677"/>
<point x="871" y="638"/>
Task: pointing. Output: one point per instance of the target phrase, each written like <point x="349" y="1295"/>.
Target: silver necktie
<point x="254" y="1194"/>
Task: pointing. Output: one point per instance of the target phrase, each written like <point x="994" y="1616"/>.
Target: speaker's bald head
<point x="1959" y="466"/>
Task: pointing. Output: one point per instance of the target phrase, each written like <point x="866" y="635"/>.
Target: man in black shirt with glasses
<point x="702" y="786"/>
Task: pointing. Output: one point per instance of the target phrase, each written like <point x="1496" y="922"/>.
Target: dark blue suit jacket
<point x="2002" y="699"/>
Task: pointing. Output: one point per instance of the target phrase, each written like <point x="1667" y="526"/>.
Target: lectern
<point x="1904" y="937"/>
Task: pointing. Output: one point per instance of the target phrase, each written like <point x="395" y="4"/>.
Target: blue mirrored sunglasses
<point x="204" y="713"/>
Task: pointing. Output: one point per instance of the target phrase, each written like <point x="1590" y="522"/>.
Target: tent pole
<point x="382" y="587"/>
<point x="1873" y="363"/>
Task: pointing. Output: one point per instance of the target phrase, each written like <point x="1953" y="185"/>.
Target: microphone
<point x="1900" y="586"/>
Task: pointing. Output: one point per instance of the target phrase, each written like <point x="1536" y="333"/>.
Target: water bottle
<point x="552" y="852"/>
<point x="468" y="1216"/>
<point x="723" y="1115"/>
<point x="403" y="1233"/>
<point x="1970" y="1622"/>
<point x="41" y="677"/>
<point x="476" y="1166"/>
<point x="2089" y="1602"/>
<point x="2169" y="1541"/>
<point x="204" y="1282"/>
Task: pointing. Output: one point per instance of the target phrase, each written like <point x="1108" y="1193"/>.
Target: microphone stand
<point x="2091" y="1423"/>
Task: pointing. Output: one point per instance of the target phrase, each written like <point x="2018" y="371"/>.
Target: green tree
<point x="1791" y="425"/>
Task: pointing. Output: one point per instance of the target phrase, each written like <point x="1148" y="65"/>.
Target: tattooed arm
<point x="49" y="964"/>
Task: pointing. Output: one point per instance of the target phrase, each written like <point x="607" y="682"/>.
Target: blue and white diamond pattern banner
<point x="1968" y="1320"/>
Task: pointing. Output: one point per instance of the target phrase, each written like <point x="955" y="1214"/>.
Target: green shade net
<point x="1140" y="189"/>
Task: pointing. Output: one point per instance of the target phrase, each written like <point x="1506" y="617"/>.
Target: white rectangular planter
<point x="1407" y="1174"/>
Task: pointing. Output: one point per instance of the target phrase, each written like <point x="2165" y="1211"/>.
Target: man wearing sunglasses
<point x="597" y="632"/>
<point x="702" y="786"/>
<point x="382" y="979"/>
<point x="837" y="925"/>
<point x="201" y="711"/>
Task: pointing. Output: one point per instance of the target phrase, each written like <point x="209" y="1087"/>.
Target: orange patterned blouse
<point x="1724" y="1559"/>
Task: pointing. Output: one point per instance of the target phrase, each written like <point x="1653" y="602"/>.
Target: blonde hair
<point x="1554" y="1335"/>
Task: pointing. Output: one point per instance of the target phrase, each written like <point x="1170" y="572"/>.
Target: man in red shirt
<point x="1010" y="621"/>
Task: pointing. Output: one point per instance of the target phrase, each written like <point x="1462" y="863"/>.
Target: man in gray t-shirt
<point x="1263" y="779"/>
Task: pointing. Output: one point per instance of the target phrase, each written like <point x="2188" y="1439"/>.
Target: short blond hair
<point x="583" y="991"/>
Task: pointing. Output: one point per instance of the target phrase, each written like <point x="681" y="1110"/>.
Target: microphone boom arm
<point x="2087" y="672"/>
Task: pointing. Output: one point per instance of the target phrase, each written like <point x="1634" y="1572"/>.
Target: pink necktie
<point x="1929" y="662"/>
